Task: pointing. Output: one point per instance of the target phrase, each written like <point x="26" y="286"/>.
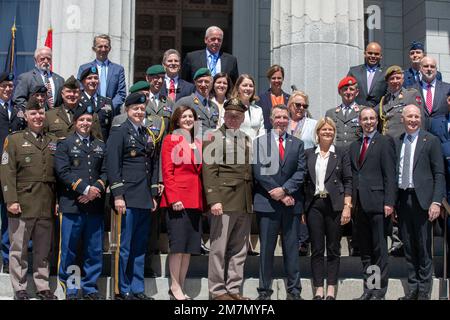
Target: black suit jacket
<point x="377" y="89"/>
<point x="439" y="101"/>
<point x="184" y="89"/>
<point x="375" y="182"/>
<point x="265" y="102"/>
<point x="338" y="177"/>
<point x="428" y="168"/>
<point x="197" y="59"/>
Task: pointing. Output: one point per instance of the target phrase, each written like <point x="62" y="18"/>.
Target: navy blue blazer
<point x="410" y="80"/>
<point x="271" y="172"/>
<point x="116" y="87"/>
<point x="184" y="89"/>
<point x="78" y="166"/>
<point x="265" y="102"/>
<point x="439" y="127"/>
<point x="378" y="87"/>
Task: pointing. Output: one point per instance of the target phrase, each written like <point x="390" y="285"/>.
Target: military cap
<point x="140" y="85"/>
<point x="155" y="69"/>
<point x="347" y="81"/>
<point x="5" y="76"/>
<point x="71" y="83"/>
<point x="416" y="45"/>
<point x="88" y="71"/>
<point x="202" y="72"/>
<point x="234" y="104"/>
<point x="391" y="70"/>
<point x="33" y="104"/>
<point x="135" y="98"/>
<point x="82" y="109"/>
<point x="39" y="88"/>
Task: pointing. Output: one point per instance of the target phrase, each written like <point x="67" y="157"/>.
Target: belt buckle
<point x="323" y="195"/>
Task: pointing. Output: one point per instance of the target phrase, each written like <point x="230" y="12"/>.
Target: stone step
<point x="197" y="288"/>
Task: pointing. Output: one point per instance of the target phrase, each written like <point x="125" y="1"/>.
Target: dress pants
<point x="4" y="233"/>
<point x="133" y="246"/>
<point x="324" y="222"/>
<point x="229" y="237"/>
<point x="372" y="234"/>
<point x="88" y="228"/>
<point x="416" y="231"/>
<point x="270" y="224"/>
<point x="20" y="232"/>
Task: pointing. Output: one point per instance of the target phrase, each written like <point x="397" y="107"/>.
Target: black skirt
<point x="184" y="229"/>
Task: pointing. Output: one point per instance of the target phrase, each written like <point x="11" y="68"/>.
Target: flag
<point x="49" y="39"/>
<point x="11" y="59"/>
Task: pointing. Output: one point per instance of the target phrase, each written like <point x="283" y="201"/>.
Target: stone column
<point x="76" y="22"/>
<point x="317" y="42"/>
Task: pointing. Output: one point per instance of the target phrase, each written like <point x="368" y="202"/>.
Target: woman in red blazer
<point x="183" y="195"/>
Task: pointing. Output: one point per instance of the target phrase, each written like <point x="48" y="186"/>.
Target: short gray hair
<point x="279" y="107"/>
<point x="38" y="51"/>
<point x="212" y="29"/>
<point x="168" y="53"/>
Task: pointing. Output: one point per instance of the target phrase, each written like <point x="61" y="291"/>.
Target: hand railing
<point x="443" y="287"/>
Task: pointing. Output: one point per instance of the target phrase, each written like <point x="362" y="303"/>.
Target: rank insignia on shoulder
<point x="98" y="149"/>
<point x="196" y="101"/>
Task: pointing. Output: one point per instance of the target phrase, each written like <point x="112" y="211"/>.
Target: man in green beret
<point x="227" y="180"/>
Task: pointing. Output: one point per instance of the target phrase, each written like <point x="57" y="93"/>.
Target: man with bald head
<point x="421" y="183"/>
<point x="434" y="91"/>
<point x="370" y="77"/>
<point x="211" y="57"/>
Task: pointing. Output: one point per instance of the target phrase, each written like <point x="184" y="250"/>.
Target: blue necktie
<point x="212" y="64"/>
<point x="103" y="80"/>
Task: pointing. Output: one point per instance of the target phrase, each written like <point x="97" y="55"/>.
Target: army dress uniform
<point x="348" y="128"/>
<point x="27" y="173"/>
<point x="79" y="164"/>
<point x="228" y="182"/>
<point x="102" y="106"/>
<point x="132" y="171"/>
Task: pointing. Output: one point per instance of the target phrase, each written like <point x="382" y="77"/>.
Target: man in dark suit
<point x="433" y="91"/>
<point x="370" y="77"/>
<point x="211" y="58"/>
<point x="374" y="192"/>
<point x="279" y="172"/>
<point x="421" y="190"/>
<point x="174" y="87"/>
<point x="41" y="74"/>
<point x="412" y="74"/>
<point x="112" y="75"/>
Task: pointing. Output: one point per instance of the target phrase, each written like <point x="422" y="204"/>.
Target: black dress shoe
<point x="397" y="252"/>
<point x="409" y="296"/>
<point x="293" y="296"/>
<point x="93" y="296"/>
<point x="330" y="298"/>
<point x="263" y="296"/>
<point x="376" y="297"/>
<point x="317" y="297"/>
<point x="142" y="296"/>
<point x="423" y="296"/>
<point x="365" y="296"/>
<point x="5" y="267"/>
<point x="21" y="295"/>
<point x="303" y="250"/>
<point x="46" y="295"/>
<point x="124" y="296"/>
<point x="152" y="274"/>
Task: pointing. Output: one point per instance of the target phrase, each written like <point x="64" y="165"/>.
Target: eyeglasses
<point x="298" y="105"/>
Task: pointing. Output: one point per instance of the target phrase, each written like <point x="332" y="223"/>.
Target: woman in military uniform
<point x="132" y="170"/>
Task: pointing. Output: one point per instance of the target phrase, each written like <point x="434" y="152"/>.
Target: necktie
<point x="212" y="64"/>
<point x="9" y="108"/>
<point x="48" y="85"/>
<point x="363" y="150"/>
<point x="369" y="80"/>
<point x="86" y="141"/>
<point x="406" y="163"/>
<point x="172" y="89"/>
<point x="281" y="148"/>
<point x="429" y="99"/>
<point x="103" y="80"/>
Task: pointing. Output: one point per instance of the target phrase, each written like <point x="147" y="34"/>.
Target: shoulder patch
<point x="5" y="158"/>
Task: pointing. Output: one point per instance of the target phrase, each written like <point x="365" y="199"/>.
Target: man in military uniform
<point x="392" y="104"/>
<point x="207" y="111"/>
<point x="81" y="173"/>
<point x="412" y="75"/>
<point x="59" y="121"/>
<point x="132" y="171"/>
<point x="28" y="184"/>
<point x="140" y="86"/>
<point x="227" y="179"/>
<point x="102" y="106"/>
<point x="11" y="120"/>
<point x="346" y="114"/>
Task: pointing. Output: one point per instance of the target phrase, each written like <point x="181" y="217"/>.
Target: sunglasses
<point x="298" y="105"/>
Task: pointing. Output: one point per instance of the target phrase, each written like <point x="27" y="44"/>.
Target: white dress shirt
<point x="321" y="169"/>
<point x="411" y="161"/>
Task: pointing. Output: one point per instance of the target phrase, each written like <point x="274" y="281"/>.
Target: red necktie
<point x="363" y="150"/>
<point x="429" y="100"/>
<point x="172" y="89"/>
<point x="281" y="148"/>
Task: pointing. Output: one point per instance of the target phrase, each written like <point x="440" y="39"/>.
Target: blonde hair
<point x="322" y="122"/>
<point x="298" y="93"/>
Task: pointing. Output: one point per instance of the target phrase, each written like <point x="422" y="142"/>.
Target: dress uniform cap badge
<point x="133" y="153"/>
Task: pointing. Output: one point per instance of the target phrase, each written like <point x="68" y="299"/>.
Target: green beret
<point x="391" y="70"/>
<point x="234" y="104"/>
<point x="71" y="83"/>
<point x="88" y="71"/>
<point x="155" y="69"/>
<point x="202" y="72"/>
<point x="135" y="98"/>
<point x="140" y="85"/>
<point x="33" y="104"/>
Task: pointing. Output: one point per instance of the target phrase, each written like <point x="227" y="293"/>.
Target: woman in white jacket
<point x="300" y="125"/>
